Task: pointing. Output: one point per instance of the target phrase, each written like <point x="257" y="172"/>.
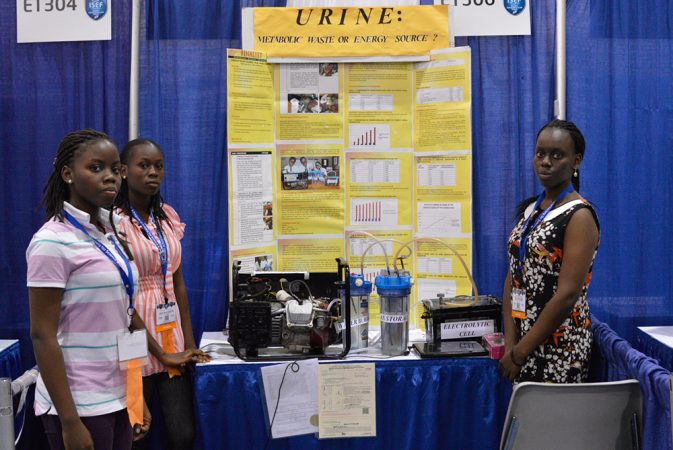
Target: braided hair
<point x="56" y="191"/>
<point x="579" y="144"/>
<point x="156" y="201"/>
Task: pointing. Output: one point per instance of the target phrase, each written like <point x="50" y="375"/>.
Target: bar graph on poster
<point x="370" y="135"/>
<point x="374" y="211"/>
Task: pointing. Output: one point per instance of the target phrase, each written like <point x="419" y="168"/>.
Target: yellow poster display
<point x="353" y="148"/>
<point x="309" y="102"/>
<point x="378" y="110"/>
<point x="447" y="176"/>
<point x="439" y="270"/>
<point x="351" y="31"/>
<point x="379" y="189"/>
<point x="309" y="189"/>
<point x="310" y="254"/>
<point x="251" y="199"/>
<point x="442" y="101"/>
<point x="257" y="259"/>
<point x="249" y="98"/>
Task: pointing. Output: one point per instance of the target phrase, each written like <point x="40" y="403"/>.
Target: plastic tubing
<point x="453" y="250"/>
<point x="330" y="304"/>
<point x="362" y="260"/>
<point x="376" y="241"/>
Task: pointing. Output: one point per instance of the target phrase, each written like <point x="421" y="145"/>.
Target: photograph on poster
<point x="328" y="69"/>
<point x="264" y="263"/>
<point x="313" y="172"/>
<point x="312" y="103"/>
<point x="259" y="262"/>
<point x="267" y="215"/>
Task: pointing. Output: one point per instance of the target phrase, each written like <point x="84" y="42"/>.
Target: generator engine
<point x="280" y="310"/>
<point x="302" y="325"/>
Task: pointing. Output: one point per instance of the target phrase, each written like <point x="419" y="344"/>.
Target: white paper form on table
<point x="297" y="410"/>
<point x="347" y="395"/>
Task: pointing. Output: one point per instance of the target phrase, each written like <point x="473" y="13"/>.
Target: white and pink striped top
<point x="150" y="292"/>
<point x="93" y="311"/>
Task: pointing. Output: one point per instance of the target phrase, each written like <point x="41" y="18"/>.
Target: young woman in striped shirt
<point x="80" y="287"/>
<point x="153" y="230"/>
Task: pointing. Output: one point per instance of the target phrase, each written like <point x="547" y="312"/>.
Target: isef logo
<point x="514" y="7"/>
<point x="96" y="8"/>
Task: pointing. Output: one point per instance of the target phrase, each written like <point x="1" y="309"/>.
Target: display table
<point x="656" y="342"/>
<point x="10" y="358"/>
<point x="615" y="359"/>
<point x="430" y="404"/>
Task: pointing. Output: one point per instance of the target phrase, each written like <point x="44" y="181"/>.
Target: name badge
<point x="132" y="345"/>
<point x="166" y="313"/>
<point x="518" y="303"/>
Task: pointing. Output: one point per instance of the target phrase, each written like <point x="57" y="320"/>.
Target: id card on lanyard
<point x="518" y="294"/>
<point x="518" y="303"/>
<point x="158" y="241"/>
<point x="130" y="345"/>
<point x="126" y="276"/>
<point x="165" y="314"/>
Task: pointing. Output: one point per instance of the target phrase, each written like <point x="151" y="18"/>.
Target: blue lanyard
<point x="160" y="243"/>
<point x="526" y="231"/>
<point x="127" y="278"/>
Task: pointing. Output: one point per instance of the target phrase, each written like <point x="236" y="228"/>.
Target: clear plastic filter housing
<point x="394" y="294"/>
<point x="359" y="305"/>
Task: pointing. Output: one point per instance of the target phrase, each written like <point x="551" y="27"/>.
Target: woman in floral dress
<point x="551" y="252"/>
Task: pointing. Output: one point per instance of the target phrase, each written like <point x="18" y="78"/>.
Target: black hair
<point x="156" y="202"/>
<point x="575" y="135"/>
<point x="56" y="191"/>
<point x="579" y="144"/>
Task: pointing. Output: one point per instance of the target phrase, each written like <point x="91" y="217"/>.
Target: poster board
<point x="318" y="151"/>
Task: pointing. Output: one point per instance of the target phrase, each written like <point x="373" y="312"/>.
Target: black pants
<point x="108" y="432"/>
<point x="175" y="398"/>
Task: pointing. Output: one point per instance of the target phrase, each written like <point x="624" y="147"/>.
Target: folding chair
<point x="590" y="416"/>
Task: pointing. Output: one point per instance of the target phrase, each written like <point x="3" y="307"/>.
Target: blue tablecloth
<point x="429" y="404"/>
<point x="614" y="359"/>
<point x="10" y="360"/>
<point x="655" y="349"/>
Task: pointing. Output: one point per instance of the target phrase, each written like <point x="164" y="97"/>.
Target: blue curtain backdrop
<point x="46" y="91"/>
<point x="620" y="65"/>
<point x="183" y="98"/>
<point x="620" y="93"/>
<point x="513" y="96"/>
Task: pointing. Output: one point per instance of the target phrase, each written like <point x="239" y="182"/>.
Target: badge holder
<point x="518" y="303"/>
<point x="166" y="320"/>
<point x="132" y="350"/>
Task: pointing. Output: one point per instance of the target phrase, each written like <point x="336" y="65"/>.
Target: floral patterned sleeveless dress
<point x="564" y="356"/>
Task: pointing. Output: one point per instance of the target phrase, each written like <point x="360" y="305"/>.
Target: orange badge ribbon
<point x="168" y="345"/>
<point x="134" y="391"/>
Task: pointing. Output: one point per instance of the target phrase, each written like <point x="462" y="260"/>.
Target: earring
<point x="575" y="174"/>
<point x="123" y="177"/>
<point x="69" y="181"/>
